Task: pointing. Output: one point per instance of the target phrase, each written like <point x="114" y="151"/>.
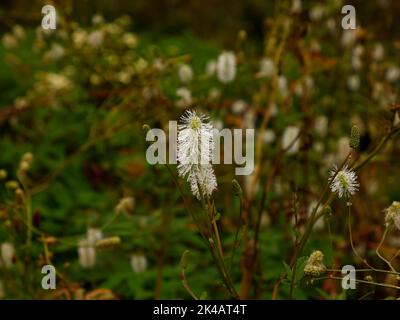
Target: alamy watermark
<point x="234" y="141"/>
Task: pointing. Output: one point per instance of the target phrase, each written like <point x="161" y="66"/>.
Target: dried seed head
<point x="315" y="266"/>
<point x="392" y="216"/>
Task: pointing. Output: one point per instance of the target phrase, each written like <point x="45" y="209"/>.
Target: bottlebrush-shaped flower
<point x="195" y="146"/>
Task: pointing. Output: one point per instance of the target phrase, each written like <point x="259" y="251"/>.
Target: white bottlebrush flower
<point x="185" y="73"/>
<point x="321" y="125"/>
<point x="290" y="139"/>
<point x="226" y="67"/>
<point x="138" y="263"/>
<point x="392" y="216"/>
<point x="267" y="68"/>
<point x="239" y="106"/>
<point x="185" y="97"/>
<point x="86" y="254"/>
<point x="195" y="147"/>
<point x="344" y="183"/>
<point x="7" y="254"/>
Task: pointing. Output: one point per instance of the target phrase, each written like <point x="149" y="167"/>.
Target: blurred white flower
<point x="320" y="223"/>
<point x="86" y="254"/>
<point x="195" y="146"/>
<point x="7" y="254"/>
<point x="214" y="94"/>
<point x="392" y="74"/>
<point x="19" y="32"/>
<point x="296" y="6"/>
<point x="93" y="235"/>
<point x="79" y="37"/>
<point x="343" y="149"/>
<point x="9" y="41"/>
<point x="378" y="52"/>
<point x="267" y="68"/>
<point x="268" y="136"/>
<point x="331" y="25"/>
<point x="321" y="125"/>
<point x="185" y="97"/>
<point x="249" y="119"/>
<point x="348" y="37"/>
<point x="344" y="183"/>
<point x="130" y="40"/>
<point x="226" y="67"/>
<point x="239" y="106"/>
<point x="317" y="12"/>
<point x="353" y="82"/>
<point x="356" y="61"/>
<point x="95" y="38"/>
<point x="97" y="19"/>
<point x="396" y="120"/>
<point x="56" y="52"/>
<point x="291" y="139"/>
<point x="282" y="86"/>
<point x="138" y="263"/>
<point x="185" y="73"/>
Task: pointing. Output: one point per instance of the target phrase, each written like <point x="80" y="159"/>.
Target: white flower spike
<point x="344" y="183"/>
<point x="195" y="146"/>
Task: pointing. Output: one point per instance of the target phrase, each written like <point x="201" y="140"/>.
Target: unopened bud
<point x="146" y="128"/>
<point x="237" y="189"/>
<point x="185" y="259"/>
<point x="355" y="137"/>
<point x="108" y="242"/>
<point x="12" y="184"/>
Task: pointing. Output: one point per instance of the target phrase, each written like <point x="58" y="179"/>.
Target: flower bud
<point x="355" y="137"/>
